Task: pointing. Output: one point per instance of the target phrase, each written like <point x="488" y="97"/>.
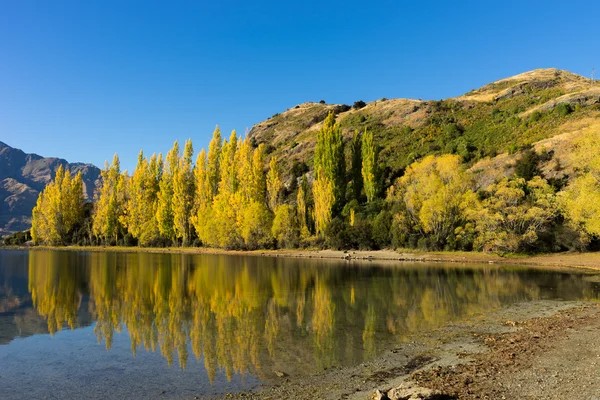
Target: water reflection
<point x="250" y="315"/>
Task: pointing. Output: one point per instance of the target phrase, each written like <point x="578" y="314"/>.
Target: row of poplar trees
<point x="229" y="199"/>
<point x="225" y="199"/>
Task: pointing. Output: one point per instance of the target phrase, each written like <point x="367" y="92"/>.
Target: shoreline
<point x="536" y="349"/>
<point x="570" y="260"/>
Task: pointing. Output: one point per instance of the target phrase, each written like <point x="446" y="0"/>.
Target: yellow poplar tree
<point x="330" y="171"/>
<point x="164" y="209"/>
<point x="214" y="157"/>
<point x="202" y="196"/>
<point x="58" y="210"/>
<point x="323" y="193"/>
<point x="274" y="184"/>
<point x="302" y="208"/>
<point x="109" y="207"/>
<point x="183" y="195"/>
<point x="258" y="185"/>
<point x="225" y="208"/>
<point x="140" y="219"/>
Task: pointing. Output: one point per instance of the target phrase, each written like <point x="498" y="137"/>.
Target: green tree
<point x="356" y="168"/>
<point x="330" y="173"/>
<point x="370" y="174"/>
<point x="302" y="207"/>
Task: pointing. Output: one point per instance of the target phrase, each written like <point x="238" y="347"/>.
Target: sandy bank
<point x="565" y="260"/>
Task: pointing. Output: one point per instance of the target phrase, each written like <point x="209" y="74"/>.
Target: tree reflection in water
<point x="252" y="315"/>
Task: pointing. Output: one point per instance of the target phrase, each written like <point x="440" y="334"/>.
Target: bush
<point x="17" y="239"/>
<point x="453" y="131"/>
<point x="341" y="108"/>
<point x="336" y="234"/>
<point x="382" y="225"/>
<point x="128" y="241"/>
<point x="341" y="236"/>
<point x="359" y="104"/>
<point x="563" y="109"/>
<point x="322" y="102"/>
<point x="535" y="116"/>
<point x="299" y="168"/>
<point x="527" y="166"/>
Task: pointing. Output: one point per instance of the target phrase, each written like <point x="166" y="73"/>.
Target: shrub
<point x="382" y="225"/>
<point x="563" y="109"/>
<point x="322" y="102"/>
<point x="453" y="130"/>
<point x="341" y="108"/>
<point x="17" y="239"/>
<point x="299" y="168"/>
<point x="535" y="116"/>
<point x="359" y="104"/>
<point x="526" y="167"/>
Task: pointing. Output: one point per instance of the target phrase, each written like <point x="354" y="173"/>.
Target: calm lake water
<point x="139" y="325"/>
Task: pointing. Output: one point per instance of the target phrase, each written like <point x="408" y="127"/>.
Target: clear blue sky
<point x="82" y="80"/>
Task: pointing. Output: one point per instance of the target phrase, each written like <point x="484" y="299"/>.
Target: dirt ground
<point x="556" y="357"/>
<point x="537" y="350"/>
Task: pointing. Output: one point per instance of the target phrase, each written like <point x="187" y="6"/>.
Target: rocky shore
<point x="536" y="350"/>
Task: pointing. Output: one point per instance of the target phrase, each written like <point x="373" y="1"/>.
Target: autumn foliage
<point x="231" y="197"/>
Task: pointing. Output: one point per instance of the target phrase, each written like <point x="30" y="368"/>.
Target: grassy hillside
<point x="487" y="127"/>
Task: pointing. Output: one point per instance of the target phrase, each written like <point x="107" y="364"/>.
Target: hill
<point x="23" y="176"/>
<point x="487" y="125"/>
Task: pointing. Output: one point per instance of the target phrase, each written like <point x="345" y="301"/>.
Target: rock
<point x="408" y="391"/>
<point x="280" y="374"/>
<point x="379" y="395"/>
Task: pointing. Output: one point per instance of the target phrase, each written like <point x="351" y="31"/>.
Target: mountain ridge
<point x="23" y="176"/>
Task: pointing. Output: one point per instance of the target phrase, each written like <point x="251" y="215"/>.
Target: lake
<point x="143" y="325"/>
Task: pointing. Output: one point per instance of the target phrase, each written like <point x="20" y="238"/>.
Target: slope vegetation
<point x="491" y="123"/>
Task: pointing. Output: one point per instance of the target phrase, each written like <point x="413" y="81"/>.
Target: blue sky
<point x="82" y="80"/>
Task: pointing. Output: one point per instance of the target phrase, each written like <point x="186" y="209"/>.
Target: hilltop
<point x="23" y="176"/>
<point x="544" y="108"/>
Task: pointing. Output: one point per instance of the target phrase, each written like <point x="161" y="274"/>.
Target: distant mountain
<point x="23" y="176"/>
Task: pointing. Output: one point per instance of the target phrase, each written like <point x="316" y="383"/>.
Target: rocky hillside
<point x="23" y="176"/>
<point x="487" y="127"/>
